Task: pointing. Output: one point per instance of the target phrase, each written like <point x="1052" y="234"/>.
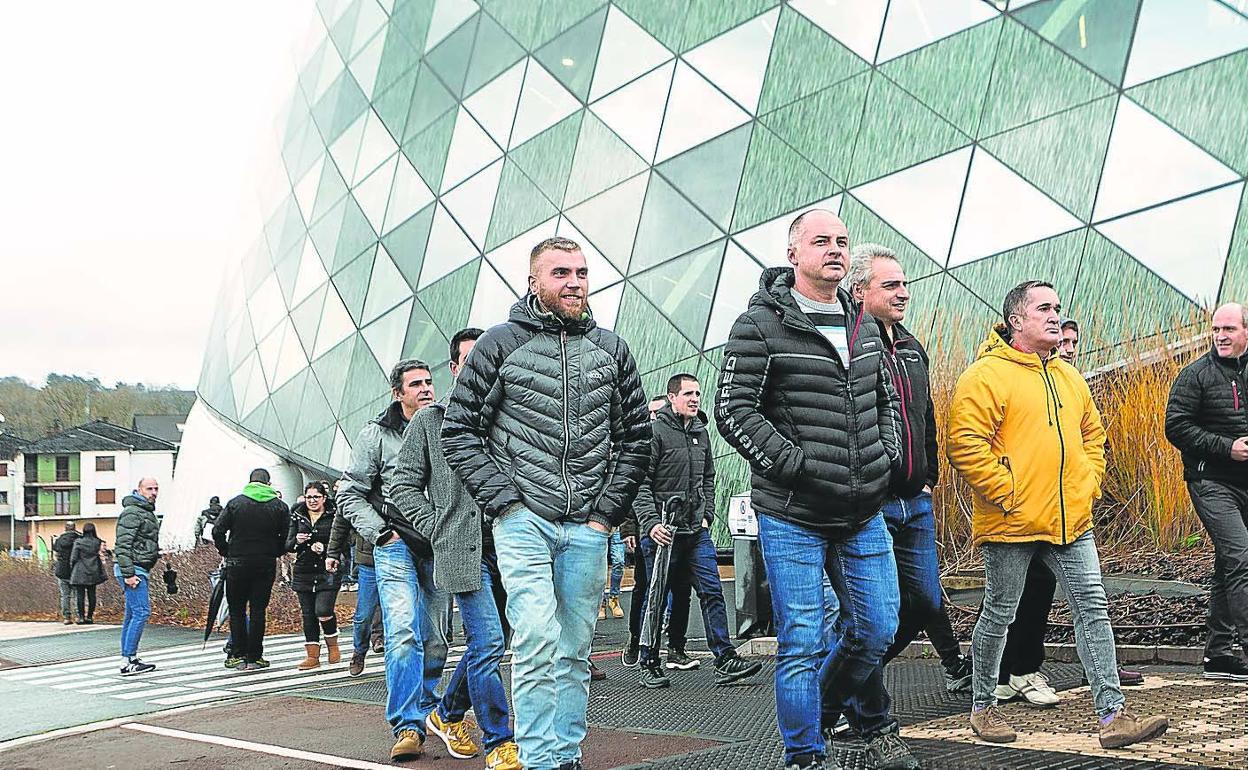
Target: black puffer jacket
<point x="309" y="572"/>
<point x="550" y="415"/>
<point x="821" y="441"/>
<point x="1206" y="412"/>
<point x="907" y="365"/>
<point x="63" y="548"/>
<point x="680" y="464"/>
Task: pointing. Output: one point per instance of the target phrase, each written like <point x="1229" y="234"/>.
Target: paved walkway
<point x="11" y="630"/>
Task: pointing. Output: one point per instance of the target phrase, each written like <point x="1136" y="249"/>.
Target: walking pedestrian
<point x="206" y="519"/>
<point x="86" y="572"/>
<point x="804" y="397"/>
<point x="547" y="429"/>
<point x="136" y="552"/>
<point x="366" y="622"/>
<point x="431" y="496"/>
<point x="681" y="465"/>
<point x="1207" y="419"/>
<point x="62" y="549"/>
<point x="1026" y="436"/>
<point x="251" y="536"/>
<point x="402" y="559"/>
<point x="311" y="579"/>
<point x="615" y="576"/>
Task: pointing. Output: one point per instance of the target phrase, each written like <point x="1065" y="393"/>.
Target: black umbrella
<point x="215" y="600"/>
<point x="656" y="594"/>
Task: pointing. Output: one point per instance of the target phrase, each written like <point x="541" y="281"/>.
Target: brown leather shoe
<point x="331" y="646"/>
<point x="313" y="659"/>
<point x="410" y="745"/>
<point x="1125" y="728"/>
<point x="357" y="663"/>
<point x="990" y="725"/>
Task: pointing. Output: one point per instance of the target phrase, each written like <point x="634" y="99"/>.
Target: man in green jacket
<point x="135" y="554"/>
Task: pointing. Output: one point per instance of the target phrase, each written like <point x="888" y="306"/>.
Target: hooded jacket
<point x="309" y="573"/>
<point x="1207" y="411"/>
<point x="253" y="526"/>
<point x="207" y="519"/>
<point x="1026" y="436"/>
<point x="908" y="366"/>
<point x="138" y="536"/>
<point x="820" y="434"/>
<point x="680" y="464"/>
<point x="549" y="414"/>
<point x="63" y="548"/>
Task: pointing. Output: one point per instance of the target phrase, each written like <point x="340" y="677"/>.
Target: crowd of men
<point x="503" y="496"/>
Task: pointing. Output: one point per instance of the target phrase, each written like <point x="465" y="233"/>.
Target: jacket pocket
<point x="1008" y="504"/>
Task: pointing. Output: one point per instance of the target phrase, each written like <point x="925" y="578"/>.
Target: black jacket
<point x="343" y="537"/>
<point x="86" y="569"/>
<point x="907" y="365"/>
<point x="551" y="415"/>
<point x="680" y="464"/>
<point x="821" y="437"/>
<point x="309" y="572"/>
<point x="63" y="547"/>
<point x="1206" y="412"/>
<point x="248" y="530"/>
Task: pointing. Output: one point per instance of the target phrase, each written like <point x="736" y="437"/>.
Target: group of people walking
<point x="503" y="497"/>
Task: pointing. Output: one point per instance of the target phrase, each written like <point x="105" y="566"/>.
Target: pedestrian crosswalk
<point x="189" y="674"/>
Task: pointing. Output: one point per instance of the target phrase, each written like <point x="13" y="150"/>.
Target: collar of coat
<point x="392" y="417"/>
<point x="528" y="312"/>
<point x="997" y="346"/>
<point x="775" y="290"/>
<point x="669" y="417"/>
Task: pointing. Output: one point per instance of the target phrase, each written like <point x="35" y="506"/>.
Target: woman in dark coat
<point x="310" y="524"/>
<point x="86" y="572"/>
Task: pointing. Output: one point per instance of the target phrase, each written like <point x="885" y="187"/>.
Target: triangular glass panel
<point x="332" y="369"/>
<point x="407" y="244"/>
<point x="306" y="317"/>
<point x="823" y="127"/>
<point x="305" y="189"/>
<point x="447" y="17"/>
<point x="706" y="19"/>
<point x="424" y="340"/>
<point x="386" y="287"/>
<point x="472" y="202"/>
<point x="601" y="272"/>
<point x="571" y="56"/>
<point x="898" y="132"/>
<point x="385" y="335"/>
<point x="547" y="158"/>
<point x="450" y="58"/>
<point x="491" y="300"/>
<point x="428" y="102"/>
<point x="470" y="151"/>
<point x="912" y="24"/>
<point x="776" y="179"/>
<point x="519" y="207"/>
<point x="610" y="219"/>
<point x="376" y="146"/>
<point x="448" y="248"/>
<point x="355" y="236"/>
<point x="367" y="379"/>
<point x="805" y="58"/>
<point x="856" y="25"/>
<point x="736" y="61"/>
<point x="286" y="269"/>
<point x="696" y="112"/>
<point x="635" y="112"/>
<point x="374" y="193"/>
<point x="413" y="19"/>
<point x="352" y="284"/>
<point x="651" y="337"/>
<point x="340" y="454"/>
<point x="605" y="305"/>
<point x="669" y="226"/>
<point x="398" y="57"/>
<point x="683" y="288"/>
<point x="336" y="324"/>
<point x="534" y="28"/>
<point x="1176" y="34"/>
<point x="1235" y="280"/>
<point x="511" y="259"/>
<point x="736" y="283"/>
<point x="450" y="299"/>
<point x="1056" y="259"/>
<point x="408" y="194"/>
<point x="543" y="103"/>
<point x="1097" y="34"/>
<point x="493" y="52"/>
<point x="656" y="19"/>
<point x="291" y="360"/>
<point x="866" y="227"/>
<point x="768" y="242"/>
<point x="494" y="105"/>
<point x="266" y="307"/>
<point x="627" y="52"/>
<point x="708" y="175"/>
<point x="601" y="161"/>
<point x="427" y="151"/>
<point x="394" y="103"/>
<point x="366" y="64"/>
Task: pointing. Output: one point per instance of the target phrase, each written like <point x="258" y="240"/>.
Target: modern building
<point x="84" y="473"/>
<point x="431" y="143"/>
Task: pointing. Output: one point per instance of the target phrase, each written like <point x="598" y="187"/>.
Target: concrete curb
<point x="1065" y="653"/>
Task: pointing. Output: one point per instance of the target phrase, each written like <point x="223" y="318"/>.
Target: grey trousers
<point x="67" y="592"/>
<point x="1078" y="570"/>
<point x="1223" y="509"/>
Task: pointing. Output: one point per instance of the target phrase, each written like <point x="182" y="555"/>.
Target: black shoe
<point x="136" y="666"/>
<point x="596" y="674"/>
<point x="889" y="752"/>
<point x="733" y="667"/>
<point x="630" y="654"/>
<point x="678" y="660"/>
<point x="573" y="765"/>
<point x="1226" y="667"/>
<point x="812" y="762"/>
<point x="958" y="676"/>
<point x="652" y="677"/>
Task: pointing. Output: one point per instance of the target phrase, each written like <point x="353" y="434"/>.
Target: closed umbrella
<point x="656" y="594"/>
<point x="216" y="604"/>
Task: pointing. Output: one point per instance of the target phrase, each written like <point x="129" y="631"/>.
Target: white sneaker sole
<point x="446" y="740"/>
<point x="1225" y="676"/>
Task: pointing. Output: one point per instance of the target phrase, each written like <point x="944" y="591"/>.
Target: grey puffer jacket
<point x="549" y="414"/>
<point x="431" y="496"/>
<point x="138" y="536"/>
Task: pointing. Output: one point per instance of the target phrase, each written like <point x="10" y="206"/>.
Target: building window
<point x="105" y="496"/>
<point x="106" y="463"/>
<point x="30" y="500"/>
<point x="61" y="501"/>
<point x="32" y="468"/>
<point x="62" y="468"/>
<point x="4" y="469"/>
<point x="4" y="498"/>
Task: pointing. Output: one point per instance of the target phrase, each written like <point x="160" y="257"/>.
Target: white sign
<point x="742" y="522"/>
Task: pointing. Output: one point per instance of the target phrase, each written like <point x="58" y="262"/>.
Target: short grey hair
<point x="795" y="227"/>
<point x="861" y="261"/>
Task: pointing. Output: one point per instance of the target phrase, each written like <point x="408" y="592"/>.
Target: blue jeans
<point x="477" y="681"/>
<point x="434" y="607"/>
<point x="366" y="602"/>
<point x="399" y="589"/>
<point x="693" y="563"/>
<point x="615" y="560"/>
<point x="553" y="575"/>
<point x="863" y="574"/>
<point x="138" y="610"/>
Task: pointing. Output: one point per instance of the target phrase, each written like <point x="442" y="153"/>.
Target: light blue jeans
<point x="399" y="589"/>
<point x="138" y="610"/>
<point x="553" y="575"/>
<point x="366" y="601"/>
<point x="615" y="560"/>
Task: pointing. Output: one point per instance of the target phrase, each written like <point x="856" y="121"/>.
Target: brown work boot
<point x="357" y="663"/>
<point x="1122" y="728"/>
<point x="313" y="659"/>
<point x="990" y="725"/>
<point x="331" y="646"/>
<point x="409" y="745"/>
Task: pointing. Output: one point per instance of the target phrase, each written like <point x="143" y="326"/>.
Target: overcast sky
<point x="136" y="139"/>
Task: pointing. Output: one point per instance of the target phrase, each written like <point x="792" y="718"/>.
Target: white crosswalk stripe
<point x="190" y="674"/>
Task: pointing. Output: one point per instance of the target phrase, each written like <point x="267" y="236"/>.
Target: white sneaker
<point x="1035" y="690"/>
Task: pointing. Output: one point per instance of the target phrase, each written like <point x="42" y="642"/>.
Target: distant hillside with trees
<point x="68" y="400"/>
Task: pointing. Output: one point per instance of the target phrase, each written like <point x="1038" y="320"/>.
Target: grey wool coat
<point x="429" y="495"/>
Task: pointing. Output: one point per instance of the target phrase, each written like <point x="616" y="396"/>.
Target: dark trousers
<point x="86" y="595"/>
<point x="681" y="603"/>
<point x="1223" y="509"/>
<point x="314" y="605"/>
<point x="1024" y="642"/>
<point x="940" y="632"/>
<point x="248" y="586"/>
<point x="641" y="584"/>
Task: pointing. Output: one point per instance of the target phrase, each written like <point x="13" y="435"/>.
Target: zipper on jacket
<point x="1235" y="393"/>
<point x="1051" y="389"/>
<point x="903" y="391"/>
<point x="567" y="429"/>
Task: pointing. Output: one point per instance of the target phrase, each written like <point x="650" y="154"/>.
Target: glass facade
<point x="431" y="143"/>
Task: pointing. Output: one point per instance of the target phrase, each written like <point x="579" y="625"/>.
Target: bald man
<point x="1207" y="419"/>
<point x="803" y="397"/>
<point x="134" y="556"/>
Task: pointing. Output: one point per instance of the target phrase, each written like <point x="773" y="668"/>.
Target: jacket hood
<point x="775" y="290"/>
<point x="261" y="493"/>
<point x="996" y="346"/>
<point x="1234" y="363"/>
<point x="529" y="312"/>
<point x="669" y="416"/>
<point x="137" y="501"/>
<point x="392" y="417"/>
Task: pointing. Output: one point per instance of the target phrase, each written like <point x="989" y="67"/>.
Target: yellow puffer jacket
<point x="1026" y="436"/>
